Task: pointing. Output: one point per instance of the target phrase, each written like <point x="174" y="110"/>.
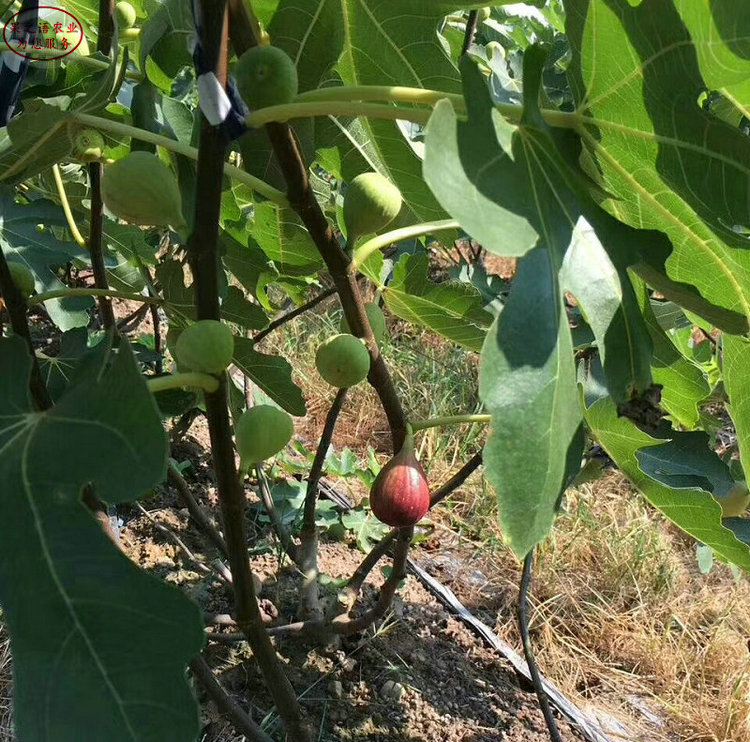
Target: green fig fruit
<point x="483" y="14"/>
<point x="735" y="502"/>
<point x="88" y="145"/>
<point x="126" y="15"/>
<point x="141" y="189"/>
<point x="261" y="432"/>
<point x="206" y="346"/>
<point x="266" y="76"/>
<point x="23" y="278"/>
<point x="343" y="360"/>
<point x="371" y="203"/>
<point x="377" y="322"/>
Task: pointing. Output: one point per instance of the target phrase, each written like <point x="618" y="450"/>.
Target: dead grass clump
<point x="624" y="617"/>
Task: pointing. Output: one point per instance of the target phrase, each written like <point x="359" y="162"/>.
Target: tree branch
<point x="241" y="720"/>
<point x="523" y="623"/>
<point x="204" y="263"/>
<point x="203" y="520"/>
<point x="471" y="29"/>
<point x="322" y="296"/>
<point x="285" y="538"/>
<point x="104" y="45"/>
<point x="308" y="550"/>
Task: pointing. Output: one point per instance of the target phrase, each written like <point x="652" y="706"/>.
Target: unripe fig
<point x="342" y="360"/>
<point x="141" y="189"/>
<point x="206" y="346"/>
<point x="22" y="278"/>
<point x="736" y="502"/>
<point x="371" y="203"/>
<point x="88" y="145"/>
<point x="483" y="14"/>
<point x="261" y="432"/>
<point x="266" y="76"/>
<point x="126" y="15"/>
<point x="377" y="321"/>
<point x="400" y="494"/>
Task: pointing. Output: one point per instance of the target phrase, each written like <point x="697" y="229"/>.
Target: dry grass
<point x="624" y="621"/>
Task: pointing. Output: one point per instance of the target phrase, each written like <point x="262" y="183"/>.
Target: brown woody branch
<point x="204" y="262"/>
<point x="308" y="550"/>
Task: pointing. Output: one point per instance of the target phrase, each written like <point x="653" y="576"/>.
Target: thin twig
<point x="322" y="296"/>
<point x="523" y="623"/>
<point x="170" y="534"/>
<point x="159" y="366"/>
<point x="285" y="538"/>
<point x="204" y="263"/>
<point x="471" y="29"/>
<point x="202" y="518"/>
<point x="309" y="605"/>
<point x="240" y="719"/>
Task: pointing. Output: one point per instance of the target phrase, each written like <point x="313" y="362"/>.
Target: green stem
<point x="178" y="381"/>
<point x="116" y="127"/>
<point x="419" y="96"/>
<point x="289" y="111"/>
<point x="72" y="226"/>
<point x="68" y="293"/>
<point x="435" y="422"/>
<point x="404" y="233"/>
<point x="381" y="93"/>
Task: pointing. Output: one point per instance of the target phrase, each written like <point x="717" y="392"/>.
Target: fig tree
<point x="377" y="321"/>
<point x="400" y="494"/>
<point x="126" y="15"/>
<point x="261" y="432"/>
<point x="343" y="360"/>
<point x="141" y="189"/>
<point x="22" y="278"/>
<point x="266" y="76"/>
<point x="371" y="203"/>
<point x="206" y="346"/>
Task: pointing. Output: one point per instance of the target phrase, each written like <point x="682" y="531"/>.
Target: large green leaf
<point x="513" y="186"/>
<point x="26" y="236"/>
<point x="452" y="309"/>
<point x="669" y="164"/>
<point x="527" y="380"/>
<point x="693" y="510"/>
<point x="272" y="374"/>
<point x="737" y="383"/>
<point x="280" y="234"/>
<point x="720" y="31"/>
<point x="81" y="595"/>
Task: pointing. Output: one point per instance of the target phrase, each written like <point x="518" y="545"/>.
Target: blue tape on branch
<point x="222" y="108"/>
<point x="13" y="65"/>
